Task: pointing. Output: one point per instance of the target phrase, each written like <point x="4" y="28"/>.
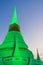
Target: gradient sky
<point x="30" y="17"/>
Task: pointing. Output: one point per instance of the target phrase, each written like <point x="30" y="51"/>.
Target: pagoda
<point x="36" y="61"/>
<point x="14" y="50"/>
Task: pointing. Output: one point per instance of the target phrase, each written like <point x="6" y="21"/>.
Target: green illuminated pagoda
<point x="36" y="61"/>
<point x="14" y="50"/>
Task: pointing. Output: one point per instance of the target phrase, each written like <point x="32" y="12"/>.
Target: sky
<point x="30" y="17"/>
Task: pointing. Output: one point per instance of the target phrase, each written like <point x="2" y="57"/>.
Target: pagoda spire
<point x="14" y="19"/>
<point x="14" y="25"/>
<point x="38" y="57"/>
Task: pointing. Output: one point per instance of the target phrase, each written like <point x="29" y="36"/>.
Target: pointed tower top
<point x="14" y="26"/>
<point x="38" y="57"/>
<point x="14" y="19"/>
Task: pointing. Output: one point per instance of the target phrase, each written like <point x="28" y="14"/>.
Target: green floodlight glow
<point x="14" y="19"/>
<point x="14" y="50"/>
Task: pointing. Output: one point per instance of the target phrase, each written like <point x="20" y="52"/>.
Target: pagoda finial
<point x="14" y="19"/>
<point x="38" y="57"/>
<point x="14" y="26"/>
